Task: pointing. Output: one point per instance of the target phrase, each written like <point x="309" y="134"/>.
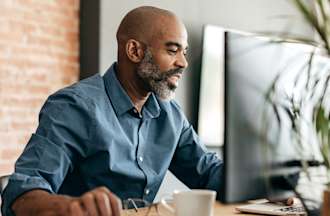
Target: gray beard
<point x="156" y="80"/>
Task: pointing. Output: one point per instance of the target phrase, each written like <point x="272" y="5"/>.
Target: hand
<point x="289" y="201"/>
<point x="98" y="202"/>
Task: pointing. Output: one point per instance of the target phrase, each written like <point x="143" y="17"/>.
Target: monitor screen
<point x="255" y="145"/>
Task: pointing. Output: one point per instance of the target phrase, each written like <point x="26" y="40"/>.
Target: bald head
<point x="152" y="46"/>
<point x="144" y="23"/>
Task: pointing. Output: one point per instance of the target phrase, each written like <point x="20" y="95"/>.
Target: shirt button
<point x="147" y="191"/>
<point x="141" y="159"/>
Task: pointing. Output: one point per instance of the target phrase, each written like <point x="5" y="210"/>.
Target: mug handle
<point x="166" y="205"/>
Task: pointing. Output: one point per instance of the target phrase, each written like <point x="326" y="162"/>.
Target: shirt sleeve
<point x="193" y="164"/>
<point x="64" y="128"/>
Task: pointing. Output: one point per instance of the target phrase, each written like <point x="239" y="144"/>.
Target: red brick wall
<point x="39" y="54"/>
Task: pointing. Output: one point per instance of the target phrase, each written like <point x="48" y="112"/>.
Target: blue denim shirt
<point x="90" y="135"/>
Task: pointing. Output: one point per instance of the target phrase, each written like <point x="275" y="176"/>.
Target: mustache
<point x="169" y="73"/>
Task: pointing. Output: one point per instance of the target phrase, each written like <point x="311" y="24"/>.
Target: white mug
<point x="193" y="202"/>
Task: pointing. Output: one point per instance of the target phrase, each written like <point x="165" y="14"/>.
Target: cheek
<point x="164" y="62"/>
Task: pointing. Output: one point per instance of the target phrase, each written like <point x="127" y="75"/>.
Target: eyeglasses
<point x="140" y="207"/>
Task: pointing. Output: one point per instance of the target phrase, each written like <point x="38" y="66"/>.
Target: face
<point x="164" y="62"/>
<point x="157" y="81"/>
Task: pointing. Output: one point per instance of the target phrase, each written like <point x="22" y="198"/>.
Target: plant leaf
<point x="311" y="18"/>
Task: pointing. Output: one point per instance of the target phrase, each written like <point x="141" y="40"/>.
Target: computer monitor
<point x="211" y="93"/>
<point x="255" y="161"/>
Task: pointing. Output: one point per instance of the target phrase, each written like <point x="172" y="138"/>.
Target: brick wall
<point x="39" y="54"/>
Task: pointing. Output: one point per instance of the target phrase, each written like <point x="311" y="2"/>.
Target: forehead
<point x="170" y="32"/>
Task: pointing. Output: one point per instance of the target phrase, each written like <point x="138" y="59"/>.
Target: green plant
<point x="313" y="86"/>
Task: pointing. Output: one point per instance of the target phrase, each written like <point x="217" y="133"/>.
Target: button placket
<point x="139" y="147"/>
<point x="139" y="155"/>
<point x="141" y="160"/>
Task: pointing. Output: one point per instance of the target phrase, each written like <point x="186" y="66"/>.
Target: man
<point x="116" y="134"/>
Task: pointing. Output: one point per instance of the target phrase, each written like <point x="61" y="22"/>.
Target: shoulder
<point x="87" y="89"/>
<point x="82" y="92"/>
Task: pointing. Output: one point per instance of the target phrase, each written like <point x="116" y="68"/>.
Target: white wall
<point x="248" y="15"/>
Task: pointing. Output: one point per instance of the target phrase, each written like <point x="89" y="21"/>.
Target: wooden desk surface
<point x="219" y="210"/>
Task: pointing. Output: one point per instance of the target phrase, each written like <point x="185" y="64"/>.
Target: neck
<point x="133" y="86"/>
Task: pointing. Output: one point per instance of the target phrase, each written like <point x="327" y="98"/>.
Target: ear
<point x="134" y="50"/>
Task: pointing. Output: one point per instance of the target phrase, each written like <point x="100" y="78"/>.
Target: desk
<point x="219" y="210"/>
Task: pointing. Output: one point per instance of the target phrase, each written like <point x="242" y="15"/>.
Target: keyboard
<point x="269" y="208"/>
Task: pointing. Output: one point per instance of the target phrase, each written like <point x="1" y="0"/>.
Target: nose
<point x="181" y="61"/>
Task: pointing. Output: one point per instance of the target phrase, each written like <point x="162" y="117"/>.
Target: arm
<point x="54" y="150"/>
<point x="193" y="164"/>
<point x="99" y="201"/>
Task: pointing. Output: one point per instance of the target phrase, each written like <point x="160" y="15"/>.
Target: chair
<point x="3" y="182"/>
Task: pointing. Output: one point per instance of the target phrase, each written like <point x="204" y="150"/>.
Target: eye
<point x="172" y="51"/>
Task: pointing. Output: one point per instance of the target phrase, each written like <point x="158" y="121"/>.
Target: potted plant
<point x="316" y="88"/>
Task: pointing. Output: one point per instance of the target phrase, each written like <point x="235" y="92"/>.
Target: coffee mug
<point x="193" y="202"/>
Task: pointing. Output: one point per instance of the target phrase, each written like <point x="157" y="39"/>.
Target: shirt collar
<point x="120" y="100"/>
